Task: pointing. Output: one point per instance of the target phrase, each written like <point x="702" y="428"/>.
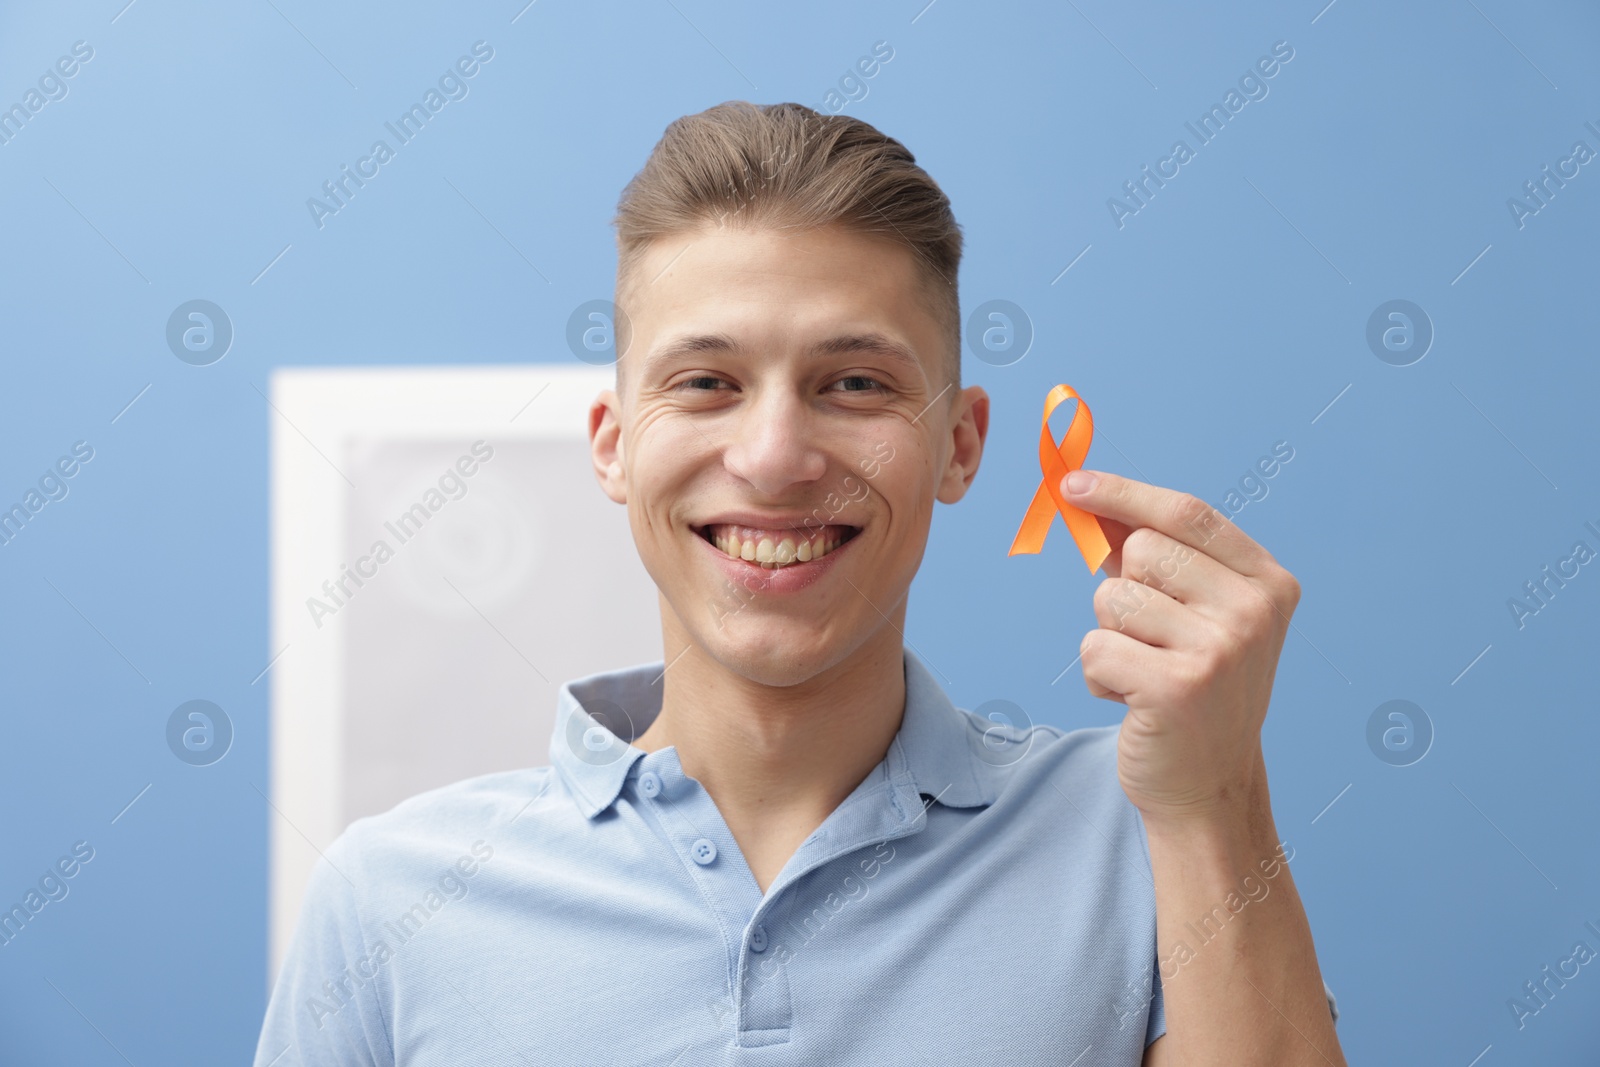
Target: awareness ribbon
<point x="1047" y="501"/>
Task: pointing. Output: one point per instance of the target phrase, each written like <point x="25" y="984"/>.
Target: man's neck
<point x="777" y="760"/>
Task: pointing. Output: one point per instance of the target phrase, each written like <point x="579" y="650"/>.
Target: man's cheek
<point x="873" y="465"/>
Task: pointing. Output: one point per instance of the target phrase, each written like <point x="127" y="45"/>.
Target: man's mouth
<point x="776" y="548"/>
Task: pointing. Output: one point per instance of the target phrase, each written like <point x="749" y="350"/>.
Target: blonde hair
<point x="789" y="166"/>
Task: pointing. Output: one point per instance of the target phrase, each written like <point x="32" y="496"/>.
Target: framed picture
<point x="442" y="561"/>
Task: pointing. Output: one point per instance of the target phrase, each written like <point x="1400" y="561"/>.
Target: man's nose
<point x="774" y="445"/>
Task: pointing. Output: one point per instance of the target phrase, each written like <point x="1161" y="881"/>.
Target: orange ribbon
<point x="1047" y="501"/>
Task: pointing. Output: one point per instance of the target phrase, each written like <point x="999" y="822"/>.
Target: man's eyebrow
<point x="869" y="342"/>
<point x="856" y="342"/>
<point x="683" y="346"/>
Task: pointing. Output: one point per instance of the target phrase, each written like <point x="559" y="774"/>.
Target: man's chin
<point x="778" y="656"/>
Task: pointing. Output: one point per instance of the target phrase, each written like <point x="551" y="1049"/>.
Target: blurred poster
<point x="443" y="560"/>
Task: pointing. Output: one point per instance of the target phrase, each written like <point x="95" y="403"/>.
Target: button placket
<point x="878" y="810"/>
<point x="693" y="828"/>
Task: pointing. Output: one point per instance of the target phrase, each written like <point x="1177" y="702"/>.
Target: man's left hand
<point x="1192" y="620"/>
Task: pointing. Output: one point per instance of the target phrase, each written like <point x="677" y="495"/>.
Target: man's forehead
<point x="827" y="257"/>
<point x="819" y="291"/>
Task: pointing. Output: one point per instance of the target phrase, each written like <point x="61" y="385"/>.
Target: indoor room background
<point x="1357" y="312"/>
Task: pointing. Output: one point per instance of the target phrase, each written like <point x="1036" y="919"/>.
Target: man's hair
<point x="786" y="166"/>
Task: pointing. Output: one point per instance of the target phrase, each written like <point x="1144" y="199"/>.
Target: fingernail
<point x="1077" y="482"/>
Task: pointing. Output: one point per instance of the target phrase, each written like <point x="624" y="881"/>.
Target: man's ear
<point x="969" y="426"/>
<point x="605" y="445"/>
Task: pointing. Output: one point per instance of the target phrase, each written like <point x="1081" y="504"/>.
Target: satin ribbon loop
<point x="1055" y="461"/>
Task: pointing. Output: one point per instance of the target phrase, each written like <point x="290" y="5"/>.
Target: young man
<point x="782" y="844"/>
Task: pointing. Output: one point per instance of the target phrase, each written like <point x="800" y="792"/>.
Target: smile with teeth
<point x="776" y="548"/>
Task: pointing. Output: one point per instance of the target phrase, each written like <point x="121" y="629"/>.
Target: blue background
<point x="1223" y="317"/>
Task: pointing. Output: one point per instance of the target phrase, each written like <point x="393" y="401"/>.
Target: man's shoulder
<point x="1091" y="743"/>
<point x="1004" y="738"/>
<point x="1082" y="761"/>
<point x="1071" y="769"/>
<point x="441" y="824"/>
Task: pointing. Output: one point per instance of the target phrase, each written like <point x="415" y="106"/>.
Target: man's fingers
<point x="1128" y="504"/>
<point x="1104" y="693"/>
<point x="1142" y="612"/>
<point x="1118" y="664"/>
<point x="1185" y="574"/>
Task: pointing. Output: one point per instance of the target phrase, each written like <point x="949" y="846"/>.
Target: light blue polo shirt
<point x="984" y="896"/>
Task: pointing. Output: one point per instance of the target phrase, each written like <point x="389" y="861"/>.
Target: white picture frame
<point x="327" y="419"/>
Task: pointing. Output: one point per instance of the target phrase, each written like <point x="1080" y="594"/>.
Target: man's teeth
<point x="775" y="548"/>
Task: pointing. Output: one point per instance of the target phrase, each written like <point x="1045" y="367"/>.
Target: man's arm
<point x="1239" y="974"/>
<point x="1192" y="618"/>
<point x="324" y="1010"/>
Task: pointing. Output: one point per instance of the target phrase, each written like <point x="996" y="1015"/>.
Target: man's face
<point x="778" y="460"/>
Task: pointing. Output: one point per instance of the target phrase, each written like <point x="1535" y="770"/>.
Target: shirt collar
<point x="937" y="751"/>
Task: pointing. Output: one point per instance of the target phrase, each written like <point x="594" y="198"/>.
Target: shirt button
<point x="703" y="851"/>
<point x="650" y="784"/>
<point x="758" y="939"/>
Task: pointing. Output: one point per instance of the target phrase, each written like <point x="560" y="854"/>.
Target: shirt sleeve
<point x="1156" y="1024"/>
<point x="324" y="1010"/>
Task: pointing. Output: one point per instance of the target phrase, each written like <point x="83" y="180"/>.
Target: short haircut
<point x="782" y="166"/>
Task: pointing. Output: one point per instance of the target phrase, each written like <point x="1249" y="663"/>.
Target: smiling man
<point x="782" y="844"/>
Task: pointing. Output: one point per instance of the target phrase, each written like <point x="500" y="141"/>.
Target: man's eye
<point x="703" y="381"/>
<point x="860" y="383"/>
